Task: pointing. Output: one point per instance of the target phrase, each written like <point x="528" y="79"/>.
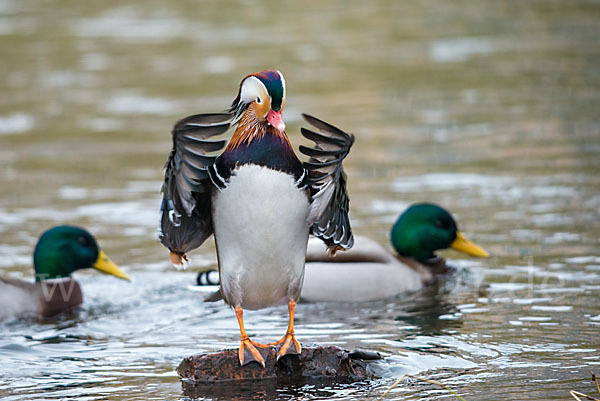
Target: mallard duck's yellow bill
<point x="105" y="265"/>
<point x="463" y="244"/>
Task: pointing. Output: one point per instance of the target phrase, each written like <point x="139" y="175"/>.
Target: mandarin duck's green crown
<point x="63" y="249"/>
<point x="422" y="229"/>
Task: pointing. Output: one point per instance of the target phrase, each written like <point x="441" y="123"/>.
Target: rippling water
<point x="488" y="108"/>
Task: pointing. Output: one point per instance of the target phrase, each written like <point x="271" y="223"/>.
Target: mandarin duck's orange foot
<point x="251" y="351"/>
<point x="289" y="345"/>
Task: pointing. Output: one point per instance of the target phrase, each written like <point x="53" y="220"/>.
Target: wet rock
<point x="314" y="364"/>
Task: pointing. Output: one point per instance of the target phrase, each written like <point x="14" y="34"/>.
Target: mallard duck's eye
<point x="439" y="224"/>
<point x="258" y="100"/>
<point x="83" y="241"/>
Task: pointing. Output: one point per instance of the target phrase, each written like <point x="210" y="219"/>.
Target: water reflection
<point x="271" y="390"/>
<point x="431" y="314"/>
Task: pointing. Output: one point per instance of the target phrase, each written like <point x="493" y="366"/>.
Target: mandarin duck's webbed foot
<point x="250" y="351"/>
<point x="289" y="344"/>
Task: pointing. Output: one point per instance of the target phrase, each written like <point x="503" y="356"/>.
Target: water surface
<point x="488" y="108"/>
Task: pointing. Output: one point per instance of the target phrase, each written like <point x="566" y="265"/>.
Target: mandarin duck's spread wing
<point x="185" y="211"/>
<point x="327" y="180"/>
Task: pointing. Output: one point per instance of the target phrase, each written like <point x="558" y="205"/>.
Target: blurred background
<point x="488" y="108"/>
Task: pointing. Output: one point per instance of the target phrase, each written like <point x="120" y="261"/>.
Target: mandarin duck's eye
<point x="258" y="100"/>
<point x="83" y="241"/>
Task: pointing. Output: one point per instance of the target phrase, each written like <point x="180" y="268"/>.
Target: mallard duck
<point x="369" y="272"/>
<point x="59" y="252"/>
<point x="258" y="199"/>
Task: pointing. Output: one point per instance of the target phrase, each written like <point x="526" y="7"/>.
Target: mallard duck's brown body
<point x="46" y="298"/>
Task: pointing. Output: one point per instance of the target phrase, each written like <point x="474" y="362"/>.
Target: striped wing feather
<point x="327" y="180"/>
<point x="185" y="211"/>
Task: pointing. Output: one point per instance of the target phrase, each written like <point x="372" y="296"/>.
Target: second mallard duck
<point x="369" y="272"/>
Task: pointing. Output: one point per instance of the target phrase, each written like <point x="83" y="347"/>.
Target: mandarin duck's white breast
<point x="261" y="231"/>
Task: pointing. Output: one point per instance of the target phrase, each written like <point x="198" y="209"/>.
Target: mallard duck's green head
<point x="424" y="228"/>
<point x="63" y="249"/>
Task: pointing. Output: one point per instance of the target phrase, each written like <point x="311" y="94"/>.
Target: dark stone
<point x="315" y="363"/>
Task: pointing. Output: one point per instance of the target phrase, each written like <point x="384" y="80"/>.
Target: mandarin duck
<point x="258" y="199"/>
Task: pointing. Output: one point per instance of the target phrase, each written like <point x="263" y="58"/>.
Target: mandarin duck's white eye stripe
<point x="252" y="88"/>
